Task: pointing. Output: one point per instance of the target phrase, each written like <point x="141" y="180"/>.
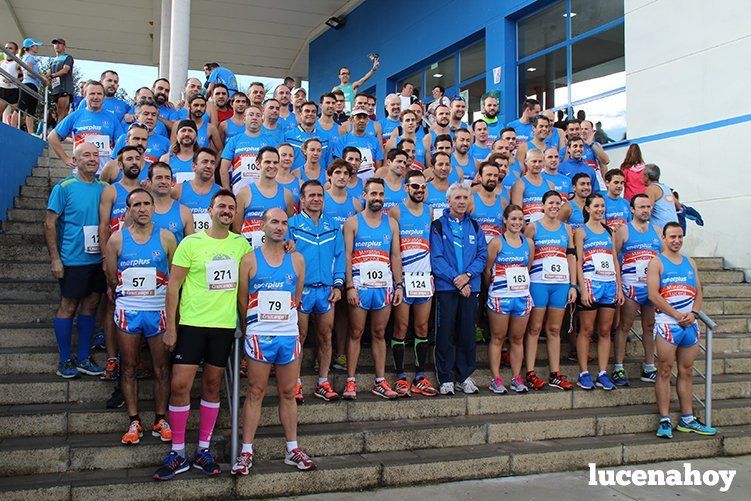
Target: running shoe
<point x="664" y="429"/>
<point x="518" y="385"/>
<point x="204" y="461"/>
<point x="68" y="369"/>
<point x="496" y="386"/>
<point x="402" y="388"/>
<point x="142" y="372"/>
<point x="162" y="430"/>
<point x="558" y="380"/>
<point x="695" y="426"/>
<point x="423" y="387"/>
<point x="299" y="397"/>
<point x="649" y="376"/>
<point x="89" y="367"/>
<point x="340" y="362"/>
<point x="534" y="382"/>
<point x="467" y="386"/>
<point x="325" y="392"/>
<point x="505" y="358"/>
<point x="111" y="370"/>
<point x="585" y="382"/>
<point x="299" y="459"/>
<point x="603" y="381"/>
<point x="133" y="435"/>
<point x="243" y="464"/>
<point x="98" y="342"/>
<point x="116" y="400"/>
<point x="383" y="389"/>
<point x="447" y="389"/>
<point x="244" y="372"/>
<point x="619" y="377"/>
<point x="173" y="464"/>
<point x="350" y="391"/>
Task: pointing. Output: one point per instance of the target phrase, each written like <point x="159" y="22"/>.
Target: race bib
<point x="201" y="221"/>
<point x="517" y="280"/>
<point x="91" y="240"/>
<point x="437" y="212"/>
<point x="55" y="82"/>
<point x="418" y="284"/>
<point x="221" y="275"/>
<point x="274" y="306"/>
<point x="139" y="282"/>
<point x="367" y="163"/>
<point x="375" y="274"/>
<point x="555" y="269"/>
<point x="604" y="267"/>
<point x="257" y="238"/>
<point x="250" y="171"/>
<point x="184" y="177"/>
<point x="641" y="271"/>
<point x="101" y="142"/>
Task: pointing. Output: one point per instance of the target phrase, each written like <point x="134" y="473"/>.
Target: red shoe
<point x="534" y="382"/>
<point x="423" y="387"/>
<point x="402" y="388"/>
<point x="350" y="391"/>
<point x="383" y="389"/>
<point x="298" y="394"/>
<point x="558" y="380"/>
<point x="325" y="392"/>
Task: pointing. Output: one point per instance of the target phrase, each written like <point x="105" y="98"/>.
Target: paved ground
<point x="569" y="485"/>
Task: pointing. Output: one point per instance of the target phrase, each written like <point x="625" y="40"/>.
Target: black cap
<point x="59" y="40"/>
<point x="187" y="123"/>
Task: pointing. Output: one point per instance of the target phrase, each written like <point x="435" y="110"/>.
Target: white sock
<point x="248" y="448"/>
<point x="322" y="380"/>
<point x="291" y="445"/>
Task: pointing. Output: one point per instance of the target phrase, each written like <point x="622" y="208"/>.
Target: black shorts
<point x="81" y="281"/>
<point x="10" y="96"/>
<point x="211" y="345"/>
<point x="26" y="102"/>
<point x="594" y="306"/>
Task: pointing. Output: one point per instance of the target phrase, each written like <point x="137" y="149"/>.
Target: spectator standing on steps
<point x="60" y="75"/>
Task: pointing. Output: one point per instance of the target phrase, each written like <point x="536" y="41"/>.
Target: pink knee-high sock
<point x="178" y="420"/>
<point x="208" y="413"/>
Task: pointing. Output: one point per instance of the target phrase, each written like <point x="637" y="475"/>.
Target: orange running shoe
<point x="383" y="389"/>
<point x="423" y="387"/>
<point x="325" y="392"/>
<point x="299" y="398"/>
<point x="162" y="430"/>
<point x="111" y="370"/>
<point x="244" y="367"/>
<point x="133" y="435"/>
<point x="350" y="390"/>
<point x="402" y="388"/>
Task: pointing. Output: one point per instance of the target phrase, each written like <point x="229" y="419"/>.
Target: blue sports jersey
<point x="171" y="221"/>
<point x="490" y="217"/>
<point x="392" y="197"/>
<point x="468" y="169"/>
<point x="523" y="131"/>
<point x="224" y="76"/>
<point x="232" y="129"/>
<point x="617" y="212"/>
<point x="86" y="125"/>
<point x="76" y="203"/>
<point x="142" y="273"/>
<point x="297" y="136"/>
<point x="571" y="167"/>
<point x="369" y="148"/>
<point x="198" y="205"/>
<point x="118" y="107"/>
<point x="155" y="147"/>
<point x="494" y="130"/>
<point x="274" y="136"/>
<point x="339" y="212"/>
<point x="241" y="152"/>
<point x="478" y="153"/>
<point x="561" y="183"/>
<point x="322" y="246"/>
<point x="388" y="126"/>
<point x="294" y="188"/>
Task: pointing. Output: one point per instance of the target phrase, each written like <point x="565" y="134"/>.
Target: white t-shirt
<point x="10" y="67"/>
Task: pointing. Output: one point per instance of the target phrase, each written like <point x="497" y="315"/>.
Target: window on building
<point x="570" y="57"/>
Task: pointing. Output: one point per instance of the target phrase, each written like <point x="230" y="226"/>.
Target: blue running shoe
<point x="204" y="461"/>
<point x="695" y="426"/>
<point x="98" y="342"/>
<point x="173" y="464"/>
<point x="665" y="429"/>
<point x="603" y="381"/>
<point x="90" y="367"/>
<point x="619" y="377"/>
<point x="649" y="376"/>
<point x="67" y="370"/>
<point x="585" y="382"/>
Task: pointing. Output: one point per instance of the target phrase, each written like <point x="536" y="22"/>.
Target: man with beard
<point x="192" y="88"/>
<point x="271" y="127"/>
<point x="111" y="82"/>
<point x="287" y="119"/>
<point x="137" y="136"/>
<point x="326" y="123"/>
<point x="490" y="116"/>
<point x="239" y="167"/>
<point x="413" y="219"/>
<point x="161" y="90"/>
<point x="307" y="129"/>
<point x="373" y="284"/>
<point x="524" y="125"/>
<point x="393" y="178"/>
<point x="458" y="110"/>
<point x="168" y="213"/>
<point x="439" y="128"/>
<point x="460" y="159"/>
<point x="370" y="149"/>
<point x="180" y="155"/>
<point x="196" y="194"/>
<point x="340" y="116"/>
<point x="112" y="209"/>
<point x="156" y="146"/>
<point x="222" y="109"/>
<point x="235" y="124"/>
<point x="208" y="135"/>
<point x="393" y="117"/>
<point x="486" y="205"/>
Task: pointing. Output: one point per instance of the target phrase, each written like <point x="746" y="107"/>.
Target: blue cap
<point x="30" y="42"/>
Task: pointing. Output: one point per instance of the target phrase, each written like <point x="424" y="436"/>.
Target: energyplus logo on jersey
<point x="687" y="477"/>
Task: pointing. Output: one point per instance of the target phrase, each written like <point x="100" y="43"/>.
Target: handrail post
<point x="46" y="112"/>
<point x="236" y="394"/>
<point x="711" y="326"/>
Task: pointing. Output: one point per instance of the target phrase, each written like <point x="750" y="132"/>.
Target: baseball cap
<point x="30" y="42"/>
<point x="187" y="123"/>
<point x="298" y="89"/>
<point x="359" y="111"/>
<point x="59" y="40"/>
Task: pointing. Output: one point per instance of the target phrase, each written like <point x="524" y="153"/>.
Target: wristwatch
<point x="468" y="274"/>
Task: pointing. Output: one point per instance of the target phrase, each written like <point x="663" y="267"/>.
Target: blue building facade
<point x="568" y="54"/>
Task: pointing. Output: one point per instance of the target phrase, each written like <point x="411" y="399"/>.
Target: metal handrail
<point x="23" y="65"/>
<point x="707" y="374"/>
<point x="22" y="87"/>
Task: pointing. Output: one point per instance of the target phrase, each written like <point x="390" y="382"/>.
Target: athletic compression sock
<point x="421" y="353"/>
<point x="207" y="419"/>
<point x="63" y="334"/>
<point x="397" y="349"/>
<point x="86" y="324"/>
<point x="178" y="418"/>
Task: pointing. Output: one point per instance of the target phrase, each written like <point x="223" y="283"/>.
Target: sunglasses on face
<point x="417" y="186"/>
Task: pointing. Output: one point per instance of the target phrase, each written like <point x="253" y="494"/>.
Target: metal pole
<point x="708" y="381"/>
<point x="46" y="111"/>
<point x="236" y="394"/>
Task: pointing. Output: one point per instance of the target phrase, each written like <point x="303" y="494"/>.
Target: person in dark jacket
<point x="457" y="255"/>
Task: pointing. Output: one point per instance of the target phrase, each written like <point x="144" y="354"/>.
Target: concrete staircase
<point x="59" y="442"/>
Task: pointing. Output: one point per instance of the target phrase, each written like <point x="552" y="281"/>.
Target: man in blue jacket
<point x="457" y="255"/>
<point x="319" y="239"/>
